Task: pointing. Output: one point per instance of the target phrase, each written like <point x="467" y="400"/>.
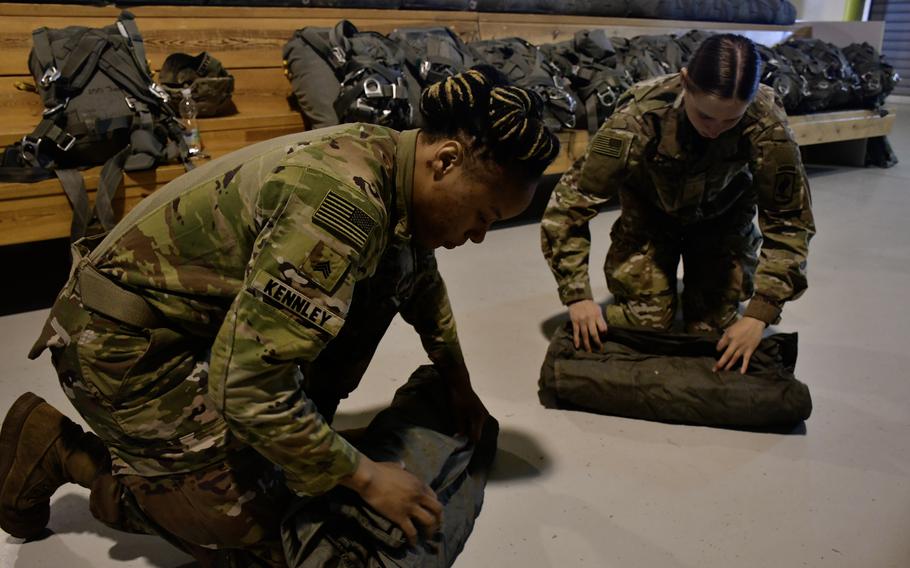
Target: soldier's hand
<point x="398" y="496"/>
<point x="588" y="324"/>
<point x="740" y="340"/>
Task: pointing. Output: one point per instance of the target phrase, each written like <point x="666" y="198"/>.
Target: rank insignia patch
<point x="344" y="219"/>
<point x="325" y="267"/>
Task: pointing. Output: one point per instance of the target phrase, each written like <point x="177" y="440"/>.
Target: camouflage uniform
<point x="253" y="263"/>
<point x="684" y="196"/>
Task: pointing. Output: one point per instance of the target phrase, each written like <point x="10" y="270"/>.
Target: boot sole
<point x="20" y="524"/>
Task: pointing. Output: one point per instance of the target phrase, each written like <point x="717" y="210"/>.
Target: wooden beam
<point x="837" y="126"/>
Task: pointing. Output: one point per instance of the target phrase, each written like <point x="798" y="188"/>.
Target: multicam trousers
<point x="719" y="259"/>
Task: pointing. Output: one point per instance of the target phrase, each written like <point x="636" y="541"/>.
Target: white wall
<point x="820" y="10"/>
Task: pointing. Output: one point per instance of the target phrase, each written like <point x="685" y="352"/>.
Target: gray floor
<point x="575" y="489"/>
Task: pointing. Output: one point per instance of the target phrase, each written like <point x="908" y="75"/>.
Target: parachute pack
<point x="101" y="106"/>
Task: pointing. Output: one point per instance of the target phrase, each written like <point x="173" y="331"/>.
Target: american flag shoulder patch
<point x="344" y="219"/>
<point x="610" y="145"/>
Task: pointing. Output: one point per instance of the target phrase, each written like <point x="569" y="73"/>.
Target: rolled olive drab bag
<point x="526" y="66"/>
<point x="209" y="82"/>
<point x="339" y="529"/>
<point x="669" y="378"/>
<point x="341" y="74"/>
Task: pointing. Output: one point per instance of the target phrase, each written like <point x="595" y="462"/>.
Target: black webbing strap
<point x="80" y="64"/>
<point x="335" y="55"/>
<point x="43" y="51"/>
<point x="109" y="181"/>
<point x="74" y="188"/>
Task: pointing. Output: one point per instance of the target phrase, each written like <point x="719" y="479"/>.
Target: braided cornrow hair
<point x="503" y="121"/>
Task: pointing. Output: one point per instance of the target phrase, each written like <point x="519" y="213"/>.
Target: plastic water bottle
<point x="190" y="123"/>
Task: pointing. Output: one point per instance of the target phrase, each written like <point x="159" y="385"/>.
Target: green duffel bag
<point x="668" y="377"/>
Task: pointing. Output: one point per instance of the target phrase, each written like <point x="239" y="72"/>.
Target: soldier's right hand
<point x="397" y="495"/>
<point x="588" y="324"/>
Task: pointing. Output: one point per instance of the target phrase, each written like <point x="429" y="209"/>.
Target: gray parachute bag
<point x="433" y="54"/>
<point x="338" y="529"/>
<point x="101" y="107"/>
<point x="341" y="75"/>
<point x="527" y="67"/>
<point x="650" y="56"/>
<point x="598" y="78"/>
<point x="779" y="74"/>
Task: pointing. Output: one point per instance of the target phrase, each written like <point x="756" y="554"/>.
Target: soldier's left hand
<point x="740" y="340"/>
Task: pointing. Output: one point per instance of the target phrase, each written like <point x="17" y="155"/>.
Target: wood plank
<point x="245" y="12"/>
<point x="840" y="125"/>
<point x="48" y="218"/>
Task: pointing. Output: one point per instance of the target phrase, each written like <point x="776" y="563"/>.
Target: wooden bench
<point x="248" y="41"/>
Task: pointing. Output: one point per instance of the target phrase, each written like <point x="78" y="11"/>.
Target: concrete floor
<point x="576" y="489"/>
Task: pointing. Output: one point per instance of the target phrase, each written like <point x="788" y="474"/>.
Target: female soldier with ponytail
<point x="692" y="156"/>
<point x="215" y="329"/>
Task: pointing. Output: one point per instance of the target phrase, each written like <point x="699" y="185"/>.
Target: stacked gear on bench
<point x="590" y="63"/>
<point x="832" y="83"/>
<point x="343" y="75"/>
<point x="779" y="74"/>
<point x="877" y="77"/>
<point x="101" y="107"/>
<point x="209" y="82"/>
<point x="432" y="54"/>
<point x="527" y="67"/>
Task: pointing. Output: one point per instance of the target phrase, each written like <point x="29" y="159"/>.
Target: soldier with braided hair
<point x="692" y="157"/>
<point x="209" y="337"/>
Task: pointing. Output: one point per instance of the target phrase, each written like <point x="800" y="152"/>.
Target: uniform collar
<point x="404" y="182"/>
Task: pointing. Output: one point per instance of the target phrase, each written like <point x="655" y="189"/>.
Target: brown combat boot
<point x="40" y="450"/>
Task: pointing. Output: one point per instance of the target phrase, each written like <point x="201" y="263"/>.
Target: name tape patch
<point x="296" y="305"/>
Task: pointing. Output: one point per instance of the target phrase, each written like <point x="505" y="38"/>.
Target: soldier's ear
<point x="449" y="157"/>
<point x="684" y="76"/>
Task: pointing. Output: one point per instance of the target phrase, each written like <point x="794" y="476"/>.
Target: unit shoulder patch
<point x="785" y="184"/>
<point x="344" y="219"/>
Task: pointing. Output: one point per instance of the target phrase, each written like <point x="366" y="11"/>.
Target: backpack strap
<point x="333" y="50"/>
<point x="42" y="48"/>
<point x="108" y="183"/>
<point x="74" y="188"/>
